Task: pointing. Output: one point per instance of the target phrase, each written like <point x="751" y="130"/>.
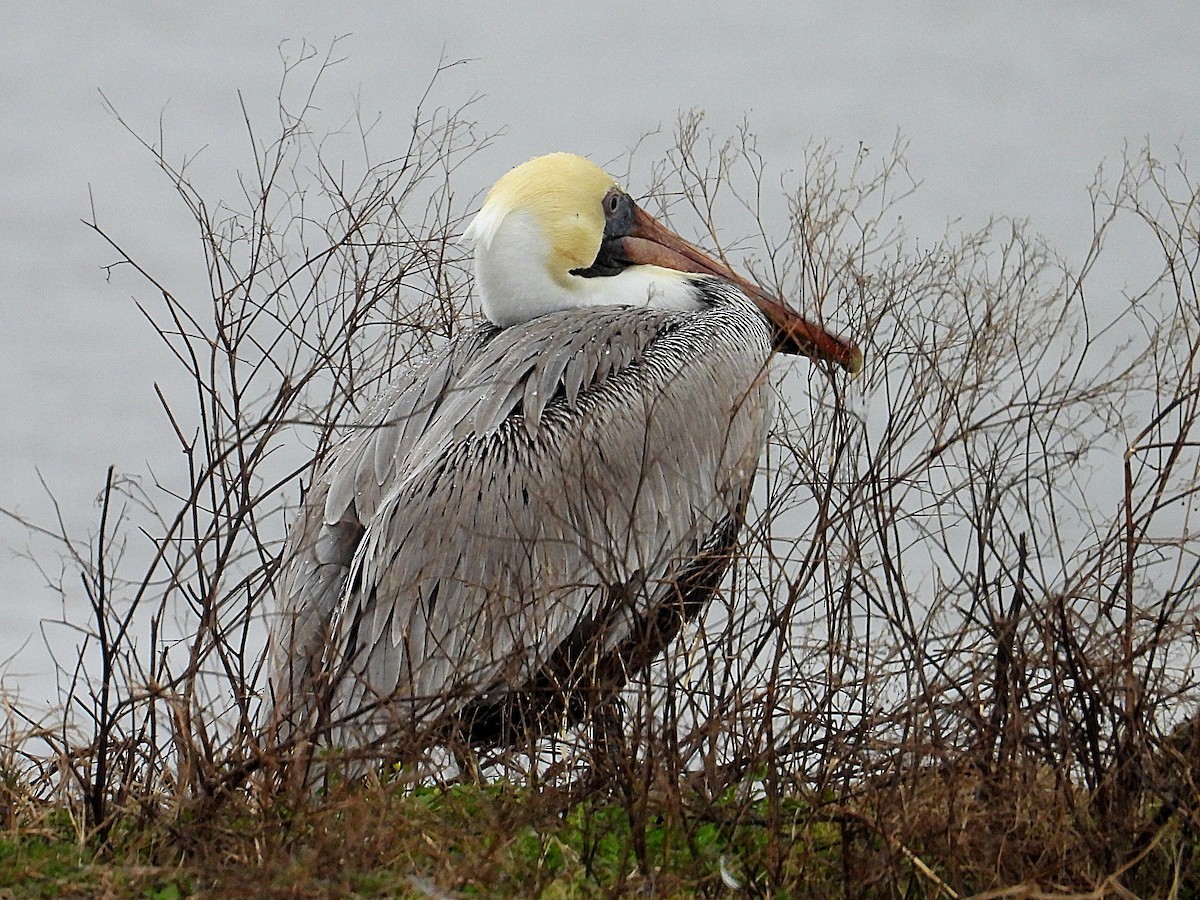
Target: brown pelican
<point x="527" y="517"/>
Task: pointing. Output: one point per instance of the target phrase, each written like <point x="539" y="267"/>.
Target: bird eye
<point x="613" y="201"/>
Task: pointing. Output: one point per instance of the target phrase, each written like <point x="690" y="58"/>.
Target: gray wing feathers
<point x="337" y="508"/>
<point x="504" y="493"/>
<point x="372" y="456"/>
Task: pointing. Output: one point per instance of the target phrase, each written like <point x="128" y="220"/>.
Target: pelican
<point x="528" y="516"/>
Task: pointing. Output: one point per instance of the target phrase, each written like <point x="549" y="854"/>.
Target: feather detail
<point x="475" y="524"/>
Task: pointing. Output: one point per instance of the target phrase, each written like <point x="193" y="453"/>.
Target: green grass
<point x="56" y="865"/>
<point x="498" y="840"/>
<point x="468" y="841"/>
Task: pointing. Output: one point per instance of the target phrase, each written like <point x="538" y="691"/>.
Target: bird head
<point x="558" y="233"/>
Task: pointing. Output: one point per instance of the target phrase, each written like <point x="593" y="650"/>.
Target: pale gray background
<point x="1009" y="107"/>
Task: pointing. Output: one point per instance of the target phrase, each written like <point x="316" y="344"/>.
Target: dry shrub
<point x="322" y="280"/>
<point x="955" y="649"/>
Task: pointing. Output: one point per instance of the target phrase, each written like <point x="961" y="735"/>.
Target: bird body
<point x="529" y="514"/>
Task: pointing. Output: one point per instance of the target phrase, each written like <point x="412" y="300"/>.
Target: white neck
<point x="514" y="276"/>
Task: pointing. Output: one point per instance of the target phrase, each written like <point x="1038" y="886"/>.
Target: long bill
<point x="651" y="243"/>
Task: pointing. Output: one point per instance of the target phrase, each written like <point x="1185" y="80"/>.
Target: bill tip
<point x="854" y="364"/>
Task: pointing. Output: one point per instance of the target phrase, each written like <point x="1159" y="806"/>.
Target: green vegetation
<point x="497" y="840"/>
